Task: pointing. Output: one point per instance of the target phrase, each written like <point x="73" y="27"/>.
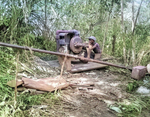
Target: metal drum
<point x="75" y="40"/>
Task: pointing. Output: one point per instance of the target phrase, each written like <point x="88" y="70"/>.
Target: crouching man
<point x="92" y="49"/>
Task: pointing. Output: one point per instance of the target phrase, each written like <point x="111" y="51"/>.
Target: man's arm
<point x="92" y="47"/>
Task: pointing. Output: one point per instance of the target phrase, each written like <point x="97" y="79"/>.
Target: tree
<point x="134" y="21"/>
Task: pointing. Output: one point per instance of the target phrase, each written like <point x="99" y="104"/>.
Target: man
<point x="92" y="46"/>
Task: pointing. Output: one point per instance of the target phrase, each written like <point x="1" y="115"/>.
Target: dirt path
<point x="92" y="101"/>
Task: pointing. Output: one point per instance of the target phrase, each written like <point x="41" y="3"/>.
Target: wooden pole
<point x="61" y="54"/>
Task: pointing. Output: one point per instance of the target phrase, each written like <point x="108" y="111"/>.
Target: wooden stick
<point x="62" y="54"/>
<point x="62" y="68"/>
<point x="16" y="80"/>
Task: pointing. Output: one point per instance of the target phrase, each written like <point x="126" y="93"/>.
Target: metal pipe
<point x="80" y="45"/>
<point x="61" y="54"/>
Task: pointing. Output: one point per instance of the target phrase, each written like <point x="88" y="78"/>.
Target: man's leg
<point x="89" y="51"/>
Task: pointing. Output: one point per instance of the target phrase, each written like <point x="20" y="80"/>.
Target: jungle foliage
<point x="120" y="26"/>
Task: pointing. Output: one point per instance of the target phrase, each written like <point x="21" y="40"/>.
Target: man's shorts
<point x="96" y="50"/>
<point x="92" y="55"/>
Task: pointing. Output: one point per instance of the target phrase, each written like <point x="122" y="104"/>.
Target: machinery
<point x="69" y="42"/>
<point x="138" y="72"/>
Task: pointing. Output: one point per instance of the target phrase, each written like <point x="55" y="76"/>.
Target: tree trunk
<point x="113" y="44"/>
<point x="122" y="16"/>
<point x="45" y="14"/>
<point x="106" y="31"/>
<point x="134" y="22"/>
<point x="123" y="40"/>
<point x="112" y="3"/>
<point x="132" y="15"/>
<point x="133" y="28"/>
<point x="45" y="23"/>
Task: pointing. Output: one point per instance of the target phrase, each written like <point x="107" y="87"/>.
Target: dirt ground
<point x="95" y="90"/>
<point x="103" y="88"/>
<point x="92" y="101"/>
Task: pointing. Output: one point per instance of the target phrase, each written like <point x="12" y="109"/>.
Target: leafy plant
<point x="132" y="86"/>
<point x="129" y="108"/>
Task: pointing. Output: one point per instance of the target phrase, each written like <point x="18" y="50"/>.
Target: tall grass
<point x="25" y="101"/>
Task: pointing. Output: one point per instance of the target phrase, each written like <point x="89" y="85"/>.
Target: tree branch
<point x="136" y="17"/>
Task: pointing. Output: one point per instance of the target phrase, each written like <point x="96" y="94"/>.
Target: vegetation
<point x="34" y="23"/>
<point x="120" y="26"/>
<point x="8" y="107"/>
<point x="136" y="104"/>
<point x="132" y="86"/>
<point x="129" y="108"/>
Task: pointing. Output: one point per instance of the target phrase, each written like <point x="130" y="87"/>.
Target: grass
<point x="25" y="103"/>
<point x="7" y="60"/>
<point x="132" y="86"/>
<point x="129" y="108"/>
<point x="137" y="105"/>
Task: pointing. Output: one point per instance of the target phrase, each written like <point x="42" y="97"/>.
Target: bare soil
<point x="92" y="101"/>
<point x="107" y="87"/>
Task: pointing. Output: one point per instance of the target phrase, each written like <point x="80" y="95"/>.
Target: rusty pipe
<point x="60" y="54"/>
<point x="80" y="45"/>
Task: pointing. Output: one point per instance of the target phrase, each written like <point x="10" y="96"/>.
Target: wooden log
<point x="45" y="84"/>
<point x="61" y="54"/>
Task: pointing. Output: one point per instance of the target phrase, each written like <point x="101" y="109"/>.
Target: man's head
<point x="92" y="39"/>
